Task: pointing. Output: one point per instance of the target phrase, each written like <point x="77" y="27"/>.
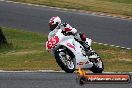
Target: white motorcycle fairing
<point x="54" y="43"/>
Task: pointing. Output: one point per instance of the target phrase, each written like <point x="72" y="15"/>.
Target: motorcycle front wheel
<point x="65" y="61"/>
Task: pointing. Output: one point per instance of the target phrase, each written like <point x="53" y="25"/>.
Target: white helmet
<point x="54" y="22"/>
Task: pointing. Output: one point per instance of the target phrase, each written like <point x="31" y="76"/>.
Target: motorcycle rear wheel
<point x="96" y="69"/>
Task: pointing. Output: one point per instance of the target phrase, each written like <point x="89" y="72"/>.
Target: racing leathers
<point x="68" y="30"/>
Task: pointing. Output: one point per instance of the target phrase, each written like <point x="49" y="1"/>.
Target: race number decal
<point x="52" y="42"/>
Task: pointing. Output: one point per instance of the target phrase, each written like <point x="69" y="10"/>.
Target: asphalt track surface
<point x="99" y="28"/>
<point x="48" y="80"/>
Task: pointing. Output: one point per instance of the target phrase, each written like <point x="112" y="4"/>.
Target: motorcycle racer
<point x="55" y="24"/>
<point x="66" y="30"/>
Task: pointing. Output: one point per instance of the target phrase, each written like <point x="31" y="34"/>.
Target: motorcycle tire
<point x="96" y="69"/>
<point x="62" y="65"/>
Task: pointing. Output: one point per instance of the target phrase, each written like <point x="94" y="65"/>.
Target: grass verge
<point x="121" y="7"/>
<point x="27" y="52"/>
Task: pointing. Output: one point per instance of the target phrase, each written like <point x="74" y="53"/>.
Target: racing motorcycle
<point x="70" y="54"/>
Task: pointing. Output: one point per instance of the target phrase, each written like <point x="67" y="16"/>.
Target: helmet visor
<point x="52" y="27"/>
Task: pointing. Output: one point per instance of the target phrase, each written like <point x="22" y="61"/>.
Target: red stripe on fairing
<point x="52" y="20"/>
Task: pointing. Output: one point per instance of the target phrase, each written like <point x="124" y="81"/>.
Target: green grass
<point x="27" y="52"/>
<point x="119" y="7"/>
<point x="121" y="1"/>
<point x="115" y="59"/>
